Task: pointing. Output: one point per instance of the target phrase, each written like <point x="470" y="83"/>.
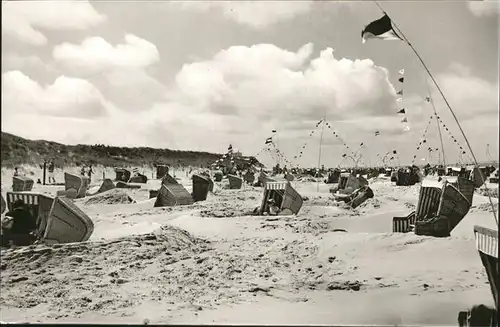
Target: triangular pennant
<point x="400" y="92"/>
<point x="402" y="111"/>
<point x="402" y="72"/>
<point x="401" y="79"/>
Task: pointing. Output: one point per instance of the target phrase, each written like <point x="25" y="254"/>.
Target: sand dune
<point x="212" y="262"/>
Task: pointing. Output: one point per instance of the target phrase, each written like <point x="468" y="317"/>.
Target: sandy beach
<point x="212" y="262"/>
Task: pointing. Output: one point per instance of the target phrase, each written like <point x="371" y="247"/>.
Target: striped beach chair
<point x="440" y="208"/>
<point x="22" y="184"/>
<point x="58" y="219"/>
<point x="284" y="195"/>
<point x="235" y="182"/>
<point x="487" y="246"/>
<point x="428" y="202"/>
<point x="173" y="195"/>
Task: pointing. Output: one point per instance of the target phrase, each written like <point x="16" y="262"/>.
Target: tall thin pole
<point x="449" y="107"/>
<point x="320" y="145"/>
<point x="437" y="124"/>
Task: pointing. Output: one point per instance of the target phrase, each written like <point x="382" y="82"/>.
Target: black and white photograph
<point x="265" y="162"/>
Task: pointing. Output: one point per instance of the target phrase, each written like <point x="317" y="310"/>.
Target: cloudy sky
<point x="203" y="75"/>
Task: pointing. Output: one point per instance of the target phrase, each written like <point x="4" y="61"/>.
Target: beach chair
<point x="107" y="184"/>
<point x="169" y="180"/>
<point x="3" y="205"/>
<point x="22" y="184"/>
<point x="249" y="177"/>
<point x="402" y="178"/>
<point x="218" y="176"/>
<point x="161" y="170"/>
<point x="201" y="187"/>
<point x="122" y="174"/>
<point x="235" y="182"/>
<point x="464" y="185"/>
<point x="333" y="177"/>
<point x="173" y="195"/>
<point x="452" y="206"/>
<point x="58" y="219"/>
<point x="127" y="185"/>
<point x="284" y="195"/>
<point x="487" y="246"/>
<point x="77" y="183"/>
<point x="139" y="178"/>
<point x="428" y="202"/>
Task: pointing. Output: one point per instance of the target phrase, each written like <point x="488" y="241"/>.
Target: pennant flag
<point x="344" y="155"/>
<point x="428" y="99"/>
<point x="400" y="92"/>
<point x="394" y="151"/>
<point x="399" y="99"/>
<point x="404" y="120"/>
<point x="380" y="29"/>
<point x="401" y="79"/>
<point x="377" y="133"/>
<point x="273" y="131"/>
<point x="361" y="144"/>
<point x="402" y="72"/>
<point x="230" y="148"/>
<point x="424" y="141"/>
<point x="402" y="111"/>
<point x="269" y="140"/>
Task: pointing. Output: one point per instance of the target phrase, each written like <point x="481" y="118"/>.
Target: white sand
<point x="255" y="270"/>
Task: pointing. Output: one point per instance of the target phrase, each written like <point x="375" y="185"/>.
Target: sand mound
<point x="226" y="210"/>
<point x="103" y="277"/>
<point x="114" y="196"/>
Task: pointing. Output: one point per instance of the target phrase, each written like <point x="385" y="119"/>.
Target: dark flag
<point x="402" y="111"/>
<point x="380" y="29"/>
<point x="273" y="131"/>
<point x="428" y="99"/>
<point x="400" y="92"/>
<point x="269" y="140"/>
<point x="394" y="151"/>
<point x="401" y="79"/>
<point x="377" y="133"/>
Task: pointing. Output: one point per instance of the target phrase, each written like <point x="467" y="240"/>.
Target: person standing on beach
<point x="16" y="173"/>
<point x="90" y="172"/>
<point x="51" y="172"/>
<point x="82" y="171"/>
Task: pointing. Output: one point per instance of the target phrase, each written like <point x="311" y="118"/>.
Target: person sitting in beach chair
<point x="18" y="226"/>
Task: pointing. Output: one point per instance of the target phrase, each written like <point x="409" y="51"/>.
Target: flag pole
<point x="437" y="123"/>
<point x="449" y="107"/>
<point x="320" y="145"/>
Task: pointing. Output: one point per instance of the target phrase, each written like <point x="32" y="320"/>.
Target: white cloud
<point x="255" y="14"/>
<point x="66" y="97"/>
<point x="118" y="71"/>
<point x="485" y="7"/>
<point x="265" y="81"/>
<point x="96" y="54"/>
<point x="21" y="19"/>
